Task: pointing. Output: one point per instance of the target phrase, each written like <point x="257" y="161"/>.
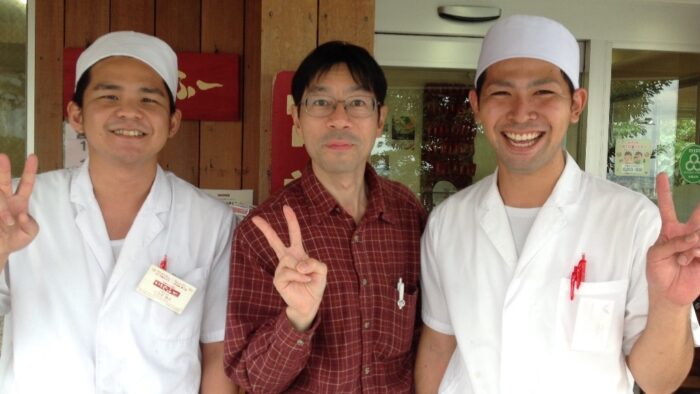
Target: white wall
<point x="645" y="21"/>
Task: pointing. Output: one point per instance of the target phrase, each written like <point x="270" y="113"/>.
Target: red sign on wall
<point x="288" y="154"/>
<point x="208" y="88"/>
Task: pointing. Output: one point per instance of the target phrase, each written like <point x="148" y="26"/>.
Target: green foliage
<point x="631" y="99"/>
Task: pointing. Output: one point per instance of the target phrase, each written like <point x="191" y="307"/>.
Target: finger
<point x="310" y="266"/>
<point x="694" y="218"/>
<point x="295" y="242"/>
<point x="666" y="207"/>
<point x="5" y="214"/>
<point x="287" y="261"/>
<point x="28" y="225"/>
<point x="270" y="235"/>
<point x="26" y="183"/>
<point x="285" y="276"/>
<point x="675" y="248"/>
<point x="5" y="174"/>
<point x="688" y="256"/>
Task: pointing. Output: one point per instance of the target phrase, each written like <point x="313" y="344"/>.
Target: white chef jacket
<point x="517" y="329"/>
<point x="74" y="322"/>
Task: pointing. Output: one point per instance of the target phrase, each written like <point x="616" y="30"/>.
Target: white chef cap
<point x="533" y="37"/>
<point x="149" y="49"/>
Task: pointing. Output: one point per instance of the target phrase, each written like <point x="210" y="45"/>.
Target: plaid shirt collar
<point x="322" y="204"/>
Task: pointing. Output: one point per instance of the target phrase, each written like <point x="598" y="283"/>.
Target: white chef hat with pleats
<point x="530" y="36"/>
<point x="149" y="49"/>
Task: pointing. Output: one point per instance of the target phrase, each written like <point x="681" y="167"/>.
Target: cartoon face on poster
<point x="632" y="157"/>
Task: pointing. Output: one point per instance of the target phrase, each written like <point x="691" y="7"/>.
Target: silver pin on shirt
<point x="399" y="286"/>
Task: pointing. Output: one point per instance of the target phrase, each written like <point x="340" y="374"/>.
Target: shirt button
<point x="356" y="238"/>
<point x="366" y="325"/>
<point x="366" y="371"/>
<point x="300" y="342"/>
<point x="363" y="281"/>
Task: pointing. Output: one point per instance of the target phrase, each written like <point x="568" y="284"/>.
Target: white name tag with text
<point x="166" y="289"/>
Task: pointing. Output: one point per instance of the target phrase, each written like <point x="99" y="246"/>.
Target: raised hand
<point x="673" y="262"/>
<point x="299" y="279"/>
<point x="17" y="227"/>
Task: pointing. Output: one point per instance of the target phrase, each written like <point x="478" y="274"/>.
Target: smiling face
<point x="526" y="107"/>
<point x="338" y="143"/>
<point x="125" y="114"/>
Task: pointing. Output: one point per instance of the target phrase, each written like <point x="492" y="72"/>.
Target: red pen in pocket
<point x="578" y="275"/>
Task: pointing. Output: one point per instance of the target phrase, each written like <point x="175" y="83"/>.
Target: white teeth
<point x="522" y="137"/>
<point x="128" y="133"/>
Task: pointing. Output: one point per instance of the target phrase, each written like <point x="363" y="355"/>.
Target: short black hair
<point x="84" y="81"/>
<point x="482" y="78"/>
<point x="364" y="69"/>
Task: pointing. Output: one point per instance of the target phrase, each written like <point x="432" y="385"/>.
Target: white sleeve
<point x="434" y="311"/>
<point x="214" y="314"/>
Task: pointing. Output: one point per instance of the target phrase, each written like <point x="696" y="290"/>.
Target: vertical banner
<point x="288" y="154"/>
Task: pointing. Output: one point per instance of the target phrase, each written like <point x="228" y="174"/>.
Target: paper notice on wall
<point x="632" y="157"/>
<point x="241" y="201"/>
<point x="74" y="147"/>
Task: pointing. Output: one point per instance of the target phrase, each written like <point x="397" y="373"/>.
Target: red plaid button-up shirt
<point x="360" y="341"/>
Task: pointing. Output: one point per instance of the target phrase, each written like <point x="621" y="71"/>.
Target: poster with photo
<point x="632" y="157"/>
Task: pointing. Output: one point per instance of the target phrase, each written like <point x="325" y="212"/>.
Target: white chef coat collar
<point x="568" y="188"/>
<point x="158" y="199"/>
<point x="566" y="191"/>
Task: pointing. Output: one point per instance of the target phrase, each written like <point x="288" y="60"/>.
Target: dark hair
<point x="482" y="78"/>
<point x="364" y="69"/>
<point x="84" y="81"/>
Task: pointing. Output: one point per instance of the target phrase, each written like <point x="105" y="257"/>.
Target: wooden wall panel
<point x="251" y="97"/>
<point x="48" y="115"/>
<point x="351" y="21"/>
<point x="289" y="33"/>
<point x="221" y="142"/>
<point x="85" y="21"/>
<point x="178" y="23"/>
<point x="272" y="35"/>
<point x="136" y="15"/>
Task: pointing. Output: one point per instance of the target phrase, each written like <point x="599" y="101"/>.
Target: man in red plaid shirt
<point x="324" y="274"/>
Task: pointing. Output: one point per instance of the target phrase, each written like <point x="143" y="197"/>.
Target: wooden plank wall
<point x="272" y="35"/>
<point x="279" y="34"/>
<point x="206" y="154"/>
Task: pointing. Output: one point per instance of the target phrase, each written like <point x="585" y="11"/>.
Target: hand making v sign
<point x="299" y="279"/>
<point x="17" y="227"/>
<point x="673" y="263"/>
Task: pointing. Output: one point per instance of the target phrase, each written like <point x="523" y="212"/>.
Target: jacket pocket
<point x="396" y="325"/>
<point x="593" y="320"/>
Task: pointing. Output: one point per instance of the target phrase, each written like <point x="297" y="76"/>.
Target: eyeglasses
<point x="355" y="107"/>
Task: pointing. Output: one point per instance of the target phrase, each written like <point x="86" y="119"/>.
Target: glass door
<point x="654" y="123"/>
<point x="13" y="82"/>
<point x="430" y="141"/>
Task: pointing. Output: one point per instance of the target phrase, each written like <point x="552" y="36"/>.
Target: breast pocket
<point x="587" y="340"/>
<point x="593" y="321"/>
<point x="396" y="325"/>
<point x="184" y="327"/>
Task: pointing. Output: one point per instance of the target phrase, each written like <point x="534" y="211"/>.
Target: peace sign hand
<point x="673" y="262"/>
<point x="17" y="227"/>
<point x="299" y="279"/>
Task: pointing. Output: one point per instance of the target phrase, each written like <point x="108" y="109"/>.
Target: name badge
<point x="166" y="289"/>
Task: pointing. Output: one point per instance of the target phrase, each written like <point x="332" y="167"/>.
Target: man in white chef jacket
<point x="510" y="303"/>
<point x="115" y="274"/>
